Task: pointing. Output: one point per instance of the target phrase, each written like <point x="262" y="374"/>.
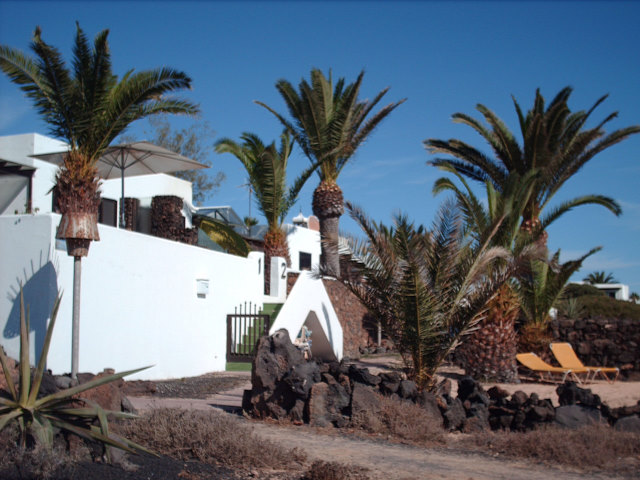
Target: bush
<point x="403" y="420"/>
<point x="596" y="446"/>
<point x="603" y="306"/>
<point x="39" y="462"/>
<point x="575" y="290"/>
<point x="209" y="437"/>
<point x="320" y="470"/>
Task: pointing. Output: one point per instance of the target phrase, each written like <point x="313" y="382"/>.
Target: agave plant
<point x="39" y="418"/>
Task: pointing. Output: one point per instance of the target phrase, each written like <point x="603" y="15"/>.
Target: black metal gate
<point x="244" y="328"/>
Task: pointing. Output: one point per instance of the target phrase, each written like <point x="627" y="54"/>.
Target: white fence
<point x="139" y="305"/>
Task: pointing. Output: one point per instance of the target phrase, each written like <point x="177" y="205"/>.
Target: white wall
<point x="302" y="239"/>
<point x="147" y="186"/>
<point x="19" y="148"/>
<point x="139" y="304"/>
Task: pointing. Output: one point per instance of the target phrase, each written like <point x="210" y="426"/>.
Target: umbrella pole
<point x="122" y="225"/>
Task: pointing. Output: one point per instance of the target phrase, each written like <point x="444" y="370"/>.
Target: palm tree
<point x="428" y="288"/>
<point x="88" y="106"/>
<point x="489" y="352"/>
<point x="539" y="290"/>
<point x="554" y="141"/>
<point x="599" y="277"/>
<point x="329" y="123"/>
<point x="266" y="167"/>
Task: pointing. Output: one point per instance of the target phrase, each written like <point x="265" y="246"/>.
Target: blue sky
<point x="444" y="57"/>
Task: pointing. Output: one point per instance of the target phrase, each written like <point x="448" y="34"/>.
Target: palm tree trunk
<point x="489" y="353"/>
<point x="328" y="206"/>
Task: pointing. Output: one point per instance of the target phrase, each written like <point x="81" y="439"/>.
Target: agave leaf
<point x="43" y="430"/>
<point x="7" y="376"/>
<point x="131" y="444"/>
<point x="37" y="377"/>
<point x="96" y="382"/>
<point x="5" y="418"/>
<point x="89" y="412"/>
<point x="92" y="433"/>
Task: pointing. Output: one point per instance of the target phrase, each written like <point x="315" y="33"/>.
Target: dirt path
<point x="402" y="462"/>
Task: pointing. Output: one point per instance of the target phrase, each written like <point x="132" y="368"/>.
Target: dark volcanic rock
<point x="576" y="416"/>
<point x="628" y="424"/>
<point x="362" y="375"/>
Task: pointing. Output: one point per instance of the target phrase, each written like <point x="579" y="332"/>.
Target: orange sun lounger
<point x="547" y="372"/>
<point x="566" y="356"/>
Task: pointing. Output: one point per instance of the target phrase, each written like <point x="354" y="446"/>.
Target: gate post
<point x="278" y="278"/>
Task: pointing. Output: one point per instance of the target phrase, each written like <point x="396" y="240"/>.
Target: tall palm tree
<point x="600" y="277"/>
<point x="88" y="106"/>
<point x="329" y="123"/>
<point x="266" y="166"/>
<point x="555" y="141"/>
<point x="427" y="287"/>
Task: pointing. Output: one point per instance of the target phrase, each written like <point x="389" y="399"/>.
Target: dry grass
<point x="321" y="470"/>
<point x="36" y="463"/>
<point x="401" y="420"/>
<point x="592" y="447"/>
<point x="209" y="437"/>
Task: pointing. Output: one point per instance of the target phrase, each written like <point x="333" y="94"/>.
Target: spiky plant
<point x="329" y="123"/>
<point x="539" y="291"/>
<point x="225" y="236"/>
<point x="266" y="166"/>
<point x="428" y="288"/>
<point x="555" y="142"/>
<point x="88" y="106"/>
<point x="39" y="417"/>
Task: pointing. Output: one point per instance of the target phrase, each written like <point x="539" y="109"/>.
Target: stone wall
<point x="603" y="341"/>
<point x="353" y="317"/>
<point x="167" y="220"/>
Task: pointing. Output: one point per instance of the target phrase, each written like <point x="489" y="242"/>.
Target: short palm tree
<point x="539" y="290"/>
<point x="599" y="277"/>
<point x="428" y="287"/>
<point x="489" y="352"/>
<point x="88" y="106"/>
<point x="266" y="166"/>
<point x="555" y="142"/>
<point x="329" y="123"/>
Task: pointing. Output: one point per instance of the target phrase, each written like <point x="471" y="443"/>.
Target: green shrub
<point x="574" y="290"/>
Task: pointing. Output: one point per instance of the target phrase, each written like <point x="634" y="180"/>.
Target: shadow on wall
<point x="40" y="293"/>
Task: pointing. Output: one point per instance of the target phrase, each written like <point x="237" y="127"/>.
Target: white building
<point x="144" y="300"/>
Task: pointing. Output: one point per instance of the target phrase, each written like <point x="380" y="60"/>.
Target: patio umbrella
<point x="131" y="159"/>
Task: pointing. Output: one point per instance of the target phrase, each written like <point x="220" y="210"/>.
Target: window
<point x="305" y="261"/>
<point x="108" y="212"/>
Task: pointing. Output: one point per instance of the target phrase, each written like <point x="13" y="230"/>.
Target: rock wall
<point x="286" y="386"/>
<point x="167" y="220"/>
<point x="603" y="342"/>
<point x="353" y="317"/>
